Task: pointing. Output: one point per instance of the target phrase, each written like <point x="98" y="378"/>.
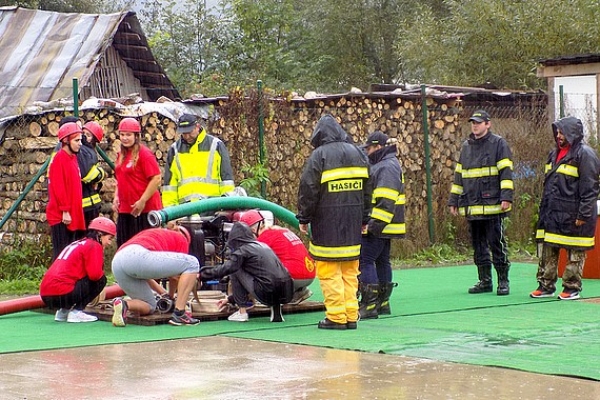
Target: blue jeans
<point x="375" y="266"/>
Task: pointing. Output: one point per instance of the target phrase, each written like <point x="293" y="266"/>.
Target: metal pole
<point x="261" y="134"/>
<point x="427" y="164"/>
<point x="75" y="97"/>
<point x="561" y="102"/>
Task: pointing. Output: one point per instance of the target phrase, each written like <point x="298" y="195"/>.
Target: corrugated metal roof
<point x="42" y="51"/>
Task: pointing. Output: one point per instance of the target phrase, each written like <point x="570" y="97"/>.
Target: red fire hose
<point x="33" y="302"/>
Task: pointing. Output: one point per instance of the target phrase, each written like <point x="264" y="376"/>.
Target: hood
<point x="328" y="130"/>
<point x="380" y="154"/>
<point x="240" y="235"/>
<point x="571" y="127"/>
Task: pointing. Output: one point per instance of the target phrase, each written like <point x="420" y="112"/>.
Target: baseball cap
<point x="480" y="116"/>
<point x="186" y="123"/>
<point x="376" y="138"/>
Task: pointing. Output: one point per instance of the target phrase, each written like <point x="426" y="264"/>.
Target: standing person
<point x="568" y="211"/>
<point x="76" y="277"/>
<point x="91" y="173"/>
<point x="138" y="179"/>
<point x="483" y="192"/>
<point x="64" y="211"/>
<point x="155" y="253"/>
<point x="198" y="165"/>
<point x="255" y="272"/>
<point x="333" y="198"/>
<point x="386" y="223"/>
<point x="290" y="250"/>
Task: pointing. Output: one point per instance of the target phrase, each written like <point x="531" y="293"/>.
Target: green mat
<point x="434" y="318"/>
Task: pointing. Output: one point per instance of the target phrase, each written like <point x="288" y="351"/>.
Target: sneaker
<point x="61" y="315"/>
<point x="183" y="319"/>
<point x="80" y="316"/>
<point x="569" y="294"/>
<point x="238" y="317"/>
<point x="540" y="292"/>
<point x="119" y="317"/>
<point x="276" y="314"/>
<point x="300" y="296"/>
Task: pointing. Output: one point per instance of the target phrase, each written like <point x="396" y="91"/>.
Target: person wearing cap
<point x="482" y="192"/>
<point x="386" y="222"/>
<point x="138" y="178"/>
<point x="334" y="200"/>
<point x="568" y="210"/>
<point x="198" y="165"/>
<point x="76" y="277"/>
<point x="155" y="253"/>
<point x="64" y="211"/>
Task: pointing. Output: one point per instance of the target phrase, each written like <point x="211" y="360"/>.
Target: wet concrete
<point x="224" y="368"/>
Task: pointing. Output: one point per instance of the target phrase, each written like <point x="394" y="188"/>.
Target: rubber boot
<point x="383" y="300"/>
<point x="368" y="301"/>
<point x="485" y="281"/>
<point x="503" y="283"/>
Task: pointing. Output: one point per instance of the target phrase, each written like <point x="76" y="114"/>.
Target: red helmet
<point x="68" y="129"/>
<point x="130" y="125"/>
<point x="185" y="233"/>
<point x="104" y="224"/>
<point x="251" y="217"/>
<point x="96" y="130"/>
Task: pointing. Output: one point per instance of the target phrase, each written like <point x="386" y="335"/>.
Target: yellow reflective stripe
<point x="334" y="252"/>
<point x="482" y="210"/>
<point x="480" y="172"/>
<point x="507" y="184"/>
<point x="540" y="233"/>
<point x="547" y="167"/>
<point x="386" y="193"/>
<point x="90" y="201"/>
<point x="456" y="189"/>
<point x="344" y="173"/>
<point x="569" y="240"/>
<point x="394" y="229"/>
<point x="504" y="163"/>
<point x="569" y="170"/>
<point x="382" y="215"/>
<point x="401" y="200"/>
<point x="92" y="174"/>
<point x="458" y="169"/>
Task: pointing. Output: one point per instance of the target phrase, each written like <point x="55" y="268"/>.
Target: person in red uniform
<point x="289" y="249"/>
<point x="76" y="277"/>
<point x="138" y="179"/>
<point x="155" y="253"/>
<point x="64" y="211"/>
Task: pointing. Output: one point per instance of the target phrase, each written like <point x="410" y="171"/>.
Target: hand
<point x="138" y="207"/>
<point x="454" y="210"/>
<point x="66" y="218"/>
<point x="303" y="228"/>
<point x="579" y="222"/>
<point x="506" y="205"/>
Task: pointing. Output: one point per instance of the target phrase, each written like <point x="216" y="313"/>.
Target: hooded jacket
<point x="333" y="195"/>
<point x="483" y="177"/>
<point x="570" y="191"/>
<point x="272" y="282"/>
<point x="387" y="216"/>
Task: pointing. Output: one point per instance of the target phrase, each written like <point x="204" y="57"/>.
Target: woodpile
<point x="288" y="126"/>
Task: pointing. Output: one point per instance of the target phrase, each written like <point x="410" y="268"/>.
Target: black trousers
<point x="128" y="226"/>
<point x="84" y="292"/>
<point x="487" y="236"/>
<point x="62" y="237"/>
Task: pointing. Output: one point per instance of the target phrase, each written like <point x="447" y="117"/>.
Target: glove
<point x="207" y="273"/>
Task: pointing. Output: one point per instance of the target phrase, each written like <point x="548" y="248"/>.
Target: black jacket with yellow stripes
<point x="570" y="192"/>
<point x="483" y="177"/>
<point x="333" y="195"/>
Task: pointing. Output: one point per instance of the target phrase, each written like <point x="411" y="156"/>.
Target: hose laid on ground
<point x="161" y="217"/>
<point x="33" y="302"/>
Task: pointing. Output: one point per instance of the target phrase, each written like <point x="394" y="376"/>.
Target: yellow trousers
<point x="339" y="284"/>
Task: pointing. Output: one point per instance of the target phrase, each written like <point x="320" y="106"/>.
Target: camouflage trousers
<point x="547" y="273"/>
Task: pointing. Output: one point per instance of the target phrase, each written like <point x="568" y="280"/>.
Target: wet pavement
<point x="225" y="368"/>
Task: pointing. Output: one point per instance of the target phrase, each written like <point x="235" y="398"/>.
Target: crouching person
<point x="155" y="253"/>
<point x="255" y="272"/>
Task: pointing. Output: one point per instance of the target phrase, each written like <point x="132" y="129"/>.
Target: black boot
<point x="368" y="301"/>
<point x="383" y="300"/>
<point x="485" y="281"/>
<point x="503" y="283"/>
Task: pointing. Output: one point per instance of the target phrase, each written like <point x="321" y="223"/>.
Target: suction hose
<point x="161" y="217"/>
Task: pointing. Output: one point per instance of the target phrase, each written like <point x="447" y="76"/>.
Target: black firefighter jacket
<point x="483" y="177"/>
<point x="387" y="216"/>
<point x="334" y="196"/>
<point x="570" y="191"/>
<point x="272" y="281"/>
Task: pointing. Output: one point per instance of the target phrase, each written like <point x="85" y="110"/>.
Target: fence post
<point x="427" y="164"/>
<point x="261" y="134"/>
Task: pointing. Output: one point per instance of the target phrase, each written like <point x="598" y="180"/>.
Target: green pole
<point x="427" y="164"/>
<point x="561" y="101"/>
<point x="261" y="135"/>
<point x="75" y="97"/>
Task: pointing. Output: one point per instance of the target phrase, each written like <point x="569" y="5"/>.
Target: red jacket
<point x="291" y="252"/>
<point x="159" y="239"/>
<point x="82" y="258"/>
<point x="132" y="180"/>
<point x="64" y="191"/>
